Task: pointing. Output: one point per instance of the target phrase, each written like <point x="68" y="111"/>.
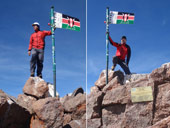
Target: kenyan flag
<point x="121" y="17"/>
<point x="66" y="22"/>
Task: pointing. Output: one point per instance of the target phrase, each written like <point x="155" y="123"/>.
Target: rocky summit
<point x="108" y="106"/>
<point x="35" y="108"/>
<point x="111" y="106"/>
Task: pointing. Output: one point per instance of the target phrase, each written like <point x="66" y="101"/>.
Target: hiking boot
<point x="40" y="76"/>
<point x="113" y="68"/>
<point x="32" y="75"/>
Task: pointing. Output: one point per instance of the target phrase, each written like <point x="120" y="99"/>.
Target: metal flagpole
<point x="53" y="50"/>
<point x="107" y="43"/>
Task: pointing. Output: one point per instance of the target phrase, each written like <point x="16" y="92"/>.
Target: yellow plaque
<point x="141" y="94"/>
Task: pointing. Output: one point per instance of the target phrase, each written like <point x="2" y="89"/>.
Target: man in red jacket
<point x="123" y="51"/>
<point x="36" y="47"/>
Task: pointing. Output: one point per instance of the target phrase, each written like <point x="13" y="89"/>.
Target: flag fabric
<point x="66" y="22"/>
<point x="121" y="17"/>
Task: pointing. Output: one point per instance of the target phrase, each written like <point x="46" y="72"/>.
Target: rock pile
<point x="110" y="106"/>
<point x="35" y="108"/>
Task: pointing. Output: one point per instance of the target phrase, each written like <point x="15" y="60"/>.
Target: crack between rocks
<point x="102" y="108"/>
<point x="32" y="96"/>
<point x="155" y="94"/>
<point x="154" y="102"/>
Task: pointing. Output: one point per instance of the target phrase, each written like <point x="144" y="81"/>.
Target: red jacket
<point x="37" y="39"/>
<point x="123" y="50"/>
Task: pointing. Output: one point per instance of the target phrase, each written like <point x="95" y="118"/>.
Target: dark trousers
<point x="37" y="60"/>
<point x="122" y="64"/>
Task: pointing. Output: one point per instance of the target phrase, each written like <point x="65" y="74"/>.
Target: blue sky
<point x="148" y="36"/>
<point x="15" y="25"/>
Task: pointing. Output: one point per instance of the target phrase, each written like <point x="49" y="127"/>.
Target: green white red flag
<point x="66" y="22"/>
<point x="121" y="17"/>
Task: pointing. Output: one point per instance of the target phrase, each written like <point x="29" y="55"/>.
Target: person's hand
<point x="29" y="53"/>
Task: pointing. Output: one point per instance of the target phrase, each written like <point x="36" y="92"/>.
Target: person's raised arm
<point x="47" y="33"/>
<point x="112" y="42"/>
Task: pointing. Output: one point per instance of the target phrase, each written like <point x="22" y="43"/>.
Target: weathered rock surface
<point x="162" y="104"/>
<point x="37" y="109"/>
<point x="113" y="115"/>
<point x="12" y="114"/>
<point x="36" y="87"/>
<point x="77" y="124"/>
<point x="50" y="112"/>
<point x="164" y="123"/>
<point x="94" y="105"/>
<point x="76" y="105"/>
<point x="77" y="91"/>
<point x="36" y="123"/>
<point x="101" y="82"/>
<point x="116" y="107"/>
<point x="94" y="123"/>
<point x="26" y="101"/>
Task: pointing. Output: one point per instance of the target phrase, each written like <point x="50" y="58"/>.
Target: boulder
<point x="50" y="112"/>
<point x="138" y="115"/>
<point x="3" y="103"/>
<point x="112" y="116"/>
<point x="164" y="123"/>
<point x="162" y="104"/>
<point x="64" y="99"/>
<point x="161" y="75"/>
<point x="112" y="84"/>
<point x="36" y="123"/>
<point x="94" y="89"/>
<point x="101" y="82"/>
<point x="136" y="77"/>
<point x="76" y="124"/>
<point x="35" y="87"/>
<point x="12" y="114"/>
<point x="76" y="105"/>
<point x="94" y="105"/>
<point x="26" y="101"/>
<point x="94" y="123"/>
<point x="119" y="95"/>
<point x="67" y="119"/>
<point x="77" y="91"/>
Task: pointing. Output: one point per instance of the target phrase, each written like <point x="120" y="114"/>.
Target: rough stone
<point x="94" y="89"/>
<point x="26" y="101"/>
<point x="72" y="104"/>
<point x="94" y="123"/>
<point x="12" y="114"/>
<point x="101" y="82"/>
<point x="35" y="87"/>
<point x="49" y="111"/>
<point x="67" y="119"/>
<point x="164" y="123"/>
<point x="36" y="123"/>
<point x="112" y="84"/>
<point x="119" y="95"/>
<point x="77" y="91"/>
<point x="113" y="115"/>
<point x="162" y="105"/>
<point x="94" y="105"/>
<point x="78" y="124"/>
